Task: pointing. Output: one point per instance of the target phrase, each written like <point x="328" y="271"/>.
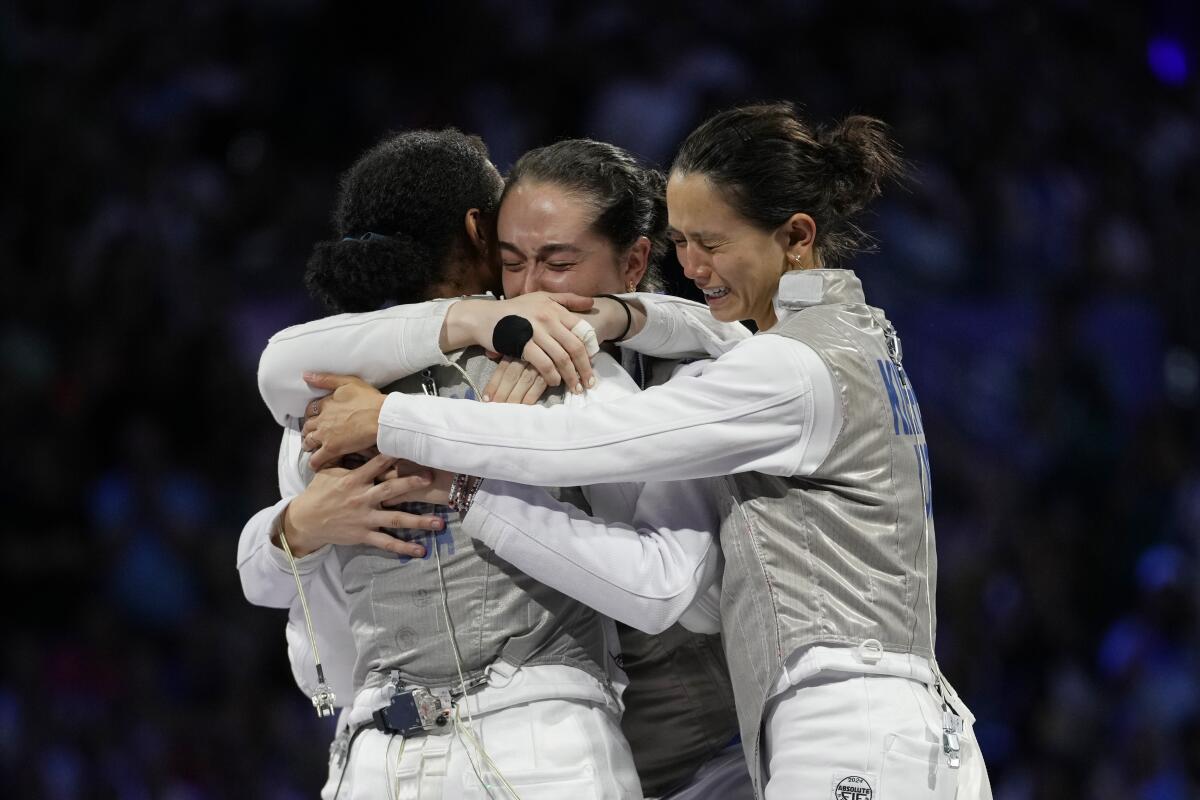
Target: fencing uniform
<point x="536" y="654"/>
<point x="682" y="716"/>
<point x="828" y="537"/>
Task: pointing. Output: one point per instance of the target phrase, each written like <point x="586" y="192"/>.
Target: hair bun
<point x="861" y="152"/>
<point x="362" y="274"/>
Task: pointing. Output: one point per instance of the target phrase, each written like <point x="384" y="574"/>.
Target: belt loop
<point x="870" y="651"/>
<point x="499" y="673"/>
<point x="434" y="755"/>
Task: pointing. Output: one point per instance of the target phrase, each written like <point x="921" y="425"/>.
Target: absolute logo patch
<point x="853" y="787"/>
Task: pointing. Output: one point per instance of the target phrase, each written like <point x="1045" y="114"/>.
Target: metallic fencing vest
<point x="679" y="709"/>
<point x="838" y="556"/>
<point x="497" y="611"/>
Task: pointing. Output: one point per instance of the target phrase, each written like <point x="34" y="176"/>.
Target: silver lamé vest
<point x="839" y="556"/>
<point x="497" y="611"/>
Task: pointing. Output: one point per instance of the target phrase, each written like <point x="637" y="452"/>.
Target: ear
<point x="476" y="230"/>
<point x="481" y="268"/>
<point x="636" y="261"/>
<point x="799" y="235"/>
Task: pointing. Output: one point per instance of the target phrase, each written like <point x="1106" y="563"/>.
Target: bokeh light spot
<point x="1168" y="60"/>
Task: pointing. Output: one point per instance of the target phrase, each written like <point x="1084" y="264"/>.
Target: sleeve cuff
<point x="658" y="330"/>
<point x="421" y="343"/>
<point x="394" y="436"/>
<point x="480" y="523"/>
<point x="304" y="564"/>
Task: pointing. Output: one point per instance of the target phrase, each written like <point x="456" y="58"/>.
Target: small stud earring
<point x="631" y="286"/>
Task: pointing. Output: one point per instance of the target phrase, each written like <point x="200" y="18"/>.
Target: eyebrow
<point x="557" y="248"/>
<point x="545" y="251"/>
<point x="673" y="231"/>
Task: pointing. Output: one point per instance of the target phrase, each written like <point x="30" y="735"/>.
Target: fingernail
<point x="437" y="523"/>
<point x="487" y="398"/>
<point x="592" y="382"/>
<point x="579" y="388"/>
<point x="308" y="376"/>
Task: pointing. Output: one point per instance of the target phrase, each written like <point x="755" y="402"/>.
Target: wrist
<point x="614" y="318"/>
<point x="370" y="421"/>
<point x="460" y="326"/>
<point x="296" y="541"/>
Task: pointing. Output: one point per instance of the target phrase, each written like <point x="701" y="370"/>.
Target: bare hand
<point x="437" y="492"/>
<point x="346" y="506"/>
<point x="346" y="421"/>
<point x="557" y="354"/>
<point x="514" y="382"/>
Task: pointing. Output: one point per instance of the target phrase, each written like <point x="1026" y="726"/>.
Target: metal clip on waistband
<point x="418" y="710"/>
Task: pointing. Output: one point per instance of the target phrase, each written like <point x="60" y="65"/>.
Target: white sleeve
<point x="768" y="405"/>
<point x="677" y="328"/>
<point x="266" y="576"/>
<point x="704" y="614"/>
<point x="263" y="568"/>
<point x="378" y="346"/>
<point x="643" y="569"/>
<point x="331" y="626"/>
<point x="267" y="580"/>
<point x="292" y="465"/>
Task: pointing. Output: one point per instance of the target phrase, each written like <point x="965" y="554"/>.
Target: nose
<point x="695" y="265"/>
<point x="533" y="280"/>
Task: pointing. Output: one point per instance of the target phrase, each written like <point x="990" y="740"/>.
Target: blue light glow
<point x="1167" y="60"/>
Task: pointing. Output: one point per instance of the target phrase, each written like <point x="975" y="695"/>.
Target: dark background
<point x="167" y="167"/>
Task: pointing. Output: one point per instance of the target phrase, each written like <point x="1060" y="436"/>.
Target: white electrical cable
<point x="324" y="697"/>
<point x="462" y="681"/>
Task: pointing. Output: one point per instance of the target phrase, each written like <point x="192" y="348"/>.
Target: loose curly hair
<point x="399" y="219"/>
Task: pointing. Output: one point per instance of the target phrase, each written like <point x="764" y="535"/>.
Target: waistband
<point x="868" y="657"/>
<point x="505" y="686"/>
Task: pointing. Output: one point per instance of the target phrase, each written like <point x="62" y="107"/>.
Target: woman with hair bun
<point x="827" y="604"/>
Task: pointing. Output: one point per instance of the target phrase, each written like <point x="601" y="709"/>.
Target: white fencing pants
<point x="854" y="736"/>
<point x="545" y="750"/>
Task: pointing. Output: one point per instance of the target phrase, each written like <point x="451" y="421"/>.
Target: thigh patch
<point x="853" y="785"/>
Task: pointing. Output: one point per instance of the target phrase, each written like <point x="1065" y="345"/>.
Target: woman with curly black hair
<point x="414" y="218"/>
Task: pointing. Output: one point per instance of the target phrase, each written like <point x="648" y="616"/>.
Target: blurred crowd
<point x="168" y="166"/>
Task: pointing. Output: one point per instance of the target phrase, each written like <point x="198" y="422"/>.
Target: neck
<point x="766" y="320"/>
<point x="458" y="279"/>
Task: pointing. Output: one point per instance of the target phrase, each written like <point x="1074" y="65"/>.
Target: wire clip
<point x="952" y="728"/>
<point x="323" y="700"/>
